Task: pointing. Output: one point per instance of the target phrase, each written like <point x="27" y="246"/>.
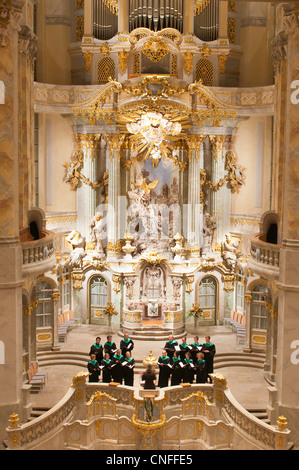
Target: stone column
<point x="288" y="300"/>
<point x="123" y="16"/>
<point x="188" y="17"/>
<point x="86" y="195"/>
<point x="88" y="18"/>
<point x="11" y="372"/>
<point x="194" y="221"/>
<point x="56" y="298"/>
<point x="114" y="143"/>
<point x="220" y="200"/>
<point x="223" y="6"/>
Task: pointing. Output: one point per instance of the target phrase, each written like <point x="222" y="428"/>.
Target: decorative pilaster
<point x="10" y="250"/>
<point x="123" y="16"/>
<point x="86" y="194"/>
<point x="114" y="231"/>
<point x="220" y="200"/>
<point x="194" y="221"/>
<point x="287" y="116"/>
<point x="56" y="299"/>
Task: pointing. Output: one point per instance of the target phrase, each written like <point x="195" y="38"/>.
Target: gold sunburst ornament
<point x="153" y="134"/>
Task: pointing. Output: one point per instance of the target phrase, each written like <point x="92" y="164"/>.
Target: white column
<point x="86" y="195"/>
<point x="113" y="216"/>
<point x="194" y="223"/>
<point x="220" y="200"/>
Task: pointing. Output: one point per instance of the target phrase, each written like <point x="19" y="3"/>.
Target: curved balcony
<point x="265" y="257"/>
<point x="38" y="255"/>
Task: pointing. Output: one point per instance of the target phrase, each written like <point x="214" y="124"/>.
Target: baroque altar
<point x="154" y="167"/>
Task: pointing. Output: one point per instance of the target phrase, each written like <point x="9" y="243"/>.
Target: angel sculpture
<point x="146" y="187"/>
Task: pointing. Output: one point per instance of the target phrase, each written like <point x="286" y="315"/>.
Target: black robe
<point x="188" y="371"/>
<point x="170" y="348"/>
<point x="201" y="371"/>
<point x="98" y="351"/>
<point x="176" y="372"/>
<point x="149" y="380"/>
<point x="128" y="371"/>
<point x="107" y="371"/>
<point x="196" y="348"/>
<point x="94" y="370"/>
<point x="117" y="369"/>
<point x="164" y="371"/>
<point x="110" y="348"/>
<point x="184" y="350"/>
<point x="126" y="346"/>
<point x="209" y="358"/>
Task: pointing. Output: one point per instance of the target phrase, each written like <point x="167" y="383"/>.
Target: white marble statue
<point x="230" y="252"/>
<point x="78" y="249"/>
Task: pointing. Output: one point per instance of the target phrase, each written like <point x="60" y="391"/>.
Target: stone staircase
<point x="37" y="412"/>
<point x="239" y="359"/>
<point x="153" y="333"/>
<point x="260" y="414"/>
<point x="80" y="359"/>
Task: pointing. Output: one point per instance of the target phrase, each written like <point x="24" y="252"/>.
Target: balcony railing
<point x="38" y="255"/>
<point x="264" y="256"/>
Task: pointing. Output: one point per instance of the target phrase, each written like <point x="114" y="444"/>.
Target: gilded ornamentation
<point x="217" y="142"/>
<point x="195" y="142"/>
<point x="231" y="30"/>
<point x="153" y="134"/>
<point x="77" y="279"/>
<point x="105" y="50"/>
<point x="56" y="296"/>
<point x="14" y="421"/>
<point x="155" y="88"/>
<point x="228" y="280"/>
<point x="114" y="247"/>
<point x="189" y="284"/>
<point x="115" y="142"/>
<point x="79" y="28"/>
<point x="200" y="5"/>
<point x="150" y="360"/>
<point x="93" y="108"/>
<point x="222" y="62"/>
<point x="112" y="5"/>
<point x="282" y="423"/>
<point x="155" y="48"/>
<point x="153" y="258"/>
<point x="80" y="379"/>
<point x="123" y="60"/>
<point x="74" y="176"/>
<point x="87" y="57"/>
<point x="271" y="310"/>
<point x="188" y="61"/>
<point x="116" y="283"/>
<point x="205" y="51"/>
<point x="140" y="33"/>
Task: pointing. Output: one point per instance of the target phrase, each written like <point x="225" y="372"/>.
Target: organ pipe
<point x="206" y="23"/>
<point x="156" y="14"/>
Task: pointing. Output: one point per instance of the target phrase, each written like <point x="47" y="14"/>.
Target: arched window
<point x="258" y="307"/>
<point x="44" y="311"/>
<point x="240" y="291"/>
<point x="207" y="297"/>
<point x="106" y="69"/>
<point x="205" y="72"/>
<point x="98" y="293"/>
<point x="66" y="291"/>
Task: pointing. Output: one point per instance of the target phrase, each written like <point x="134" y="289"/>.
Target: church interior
<point x="149" y="176"/>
